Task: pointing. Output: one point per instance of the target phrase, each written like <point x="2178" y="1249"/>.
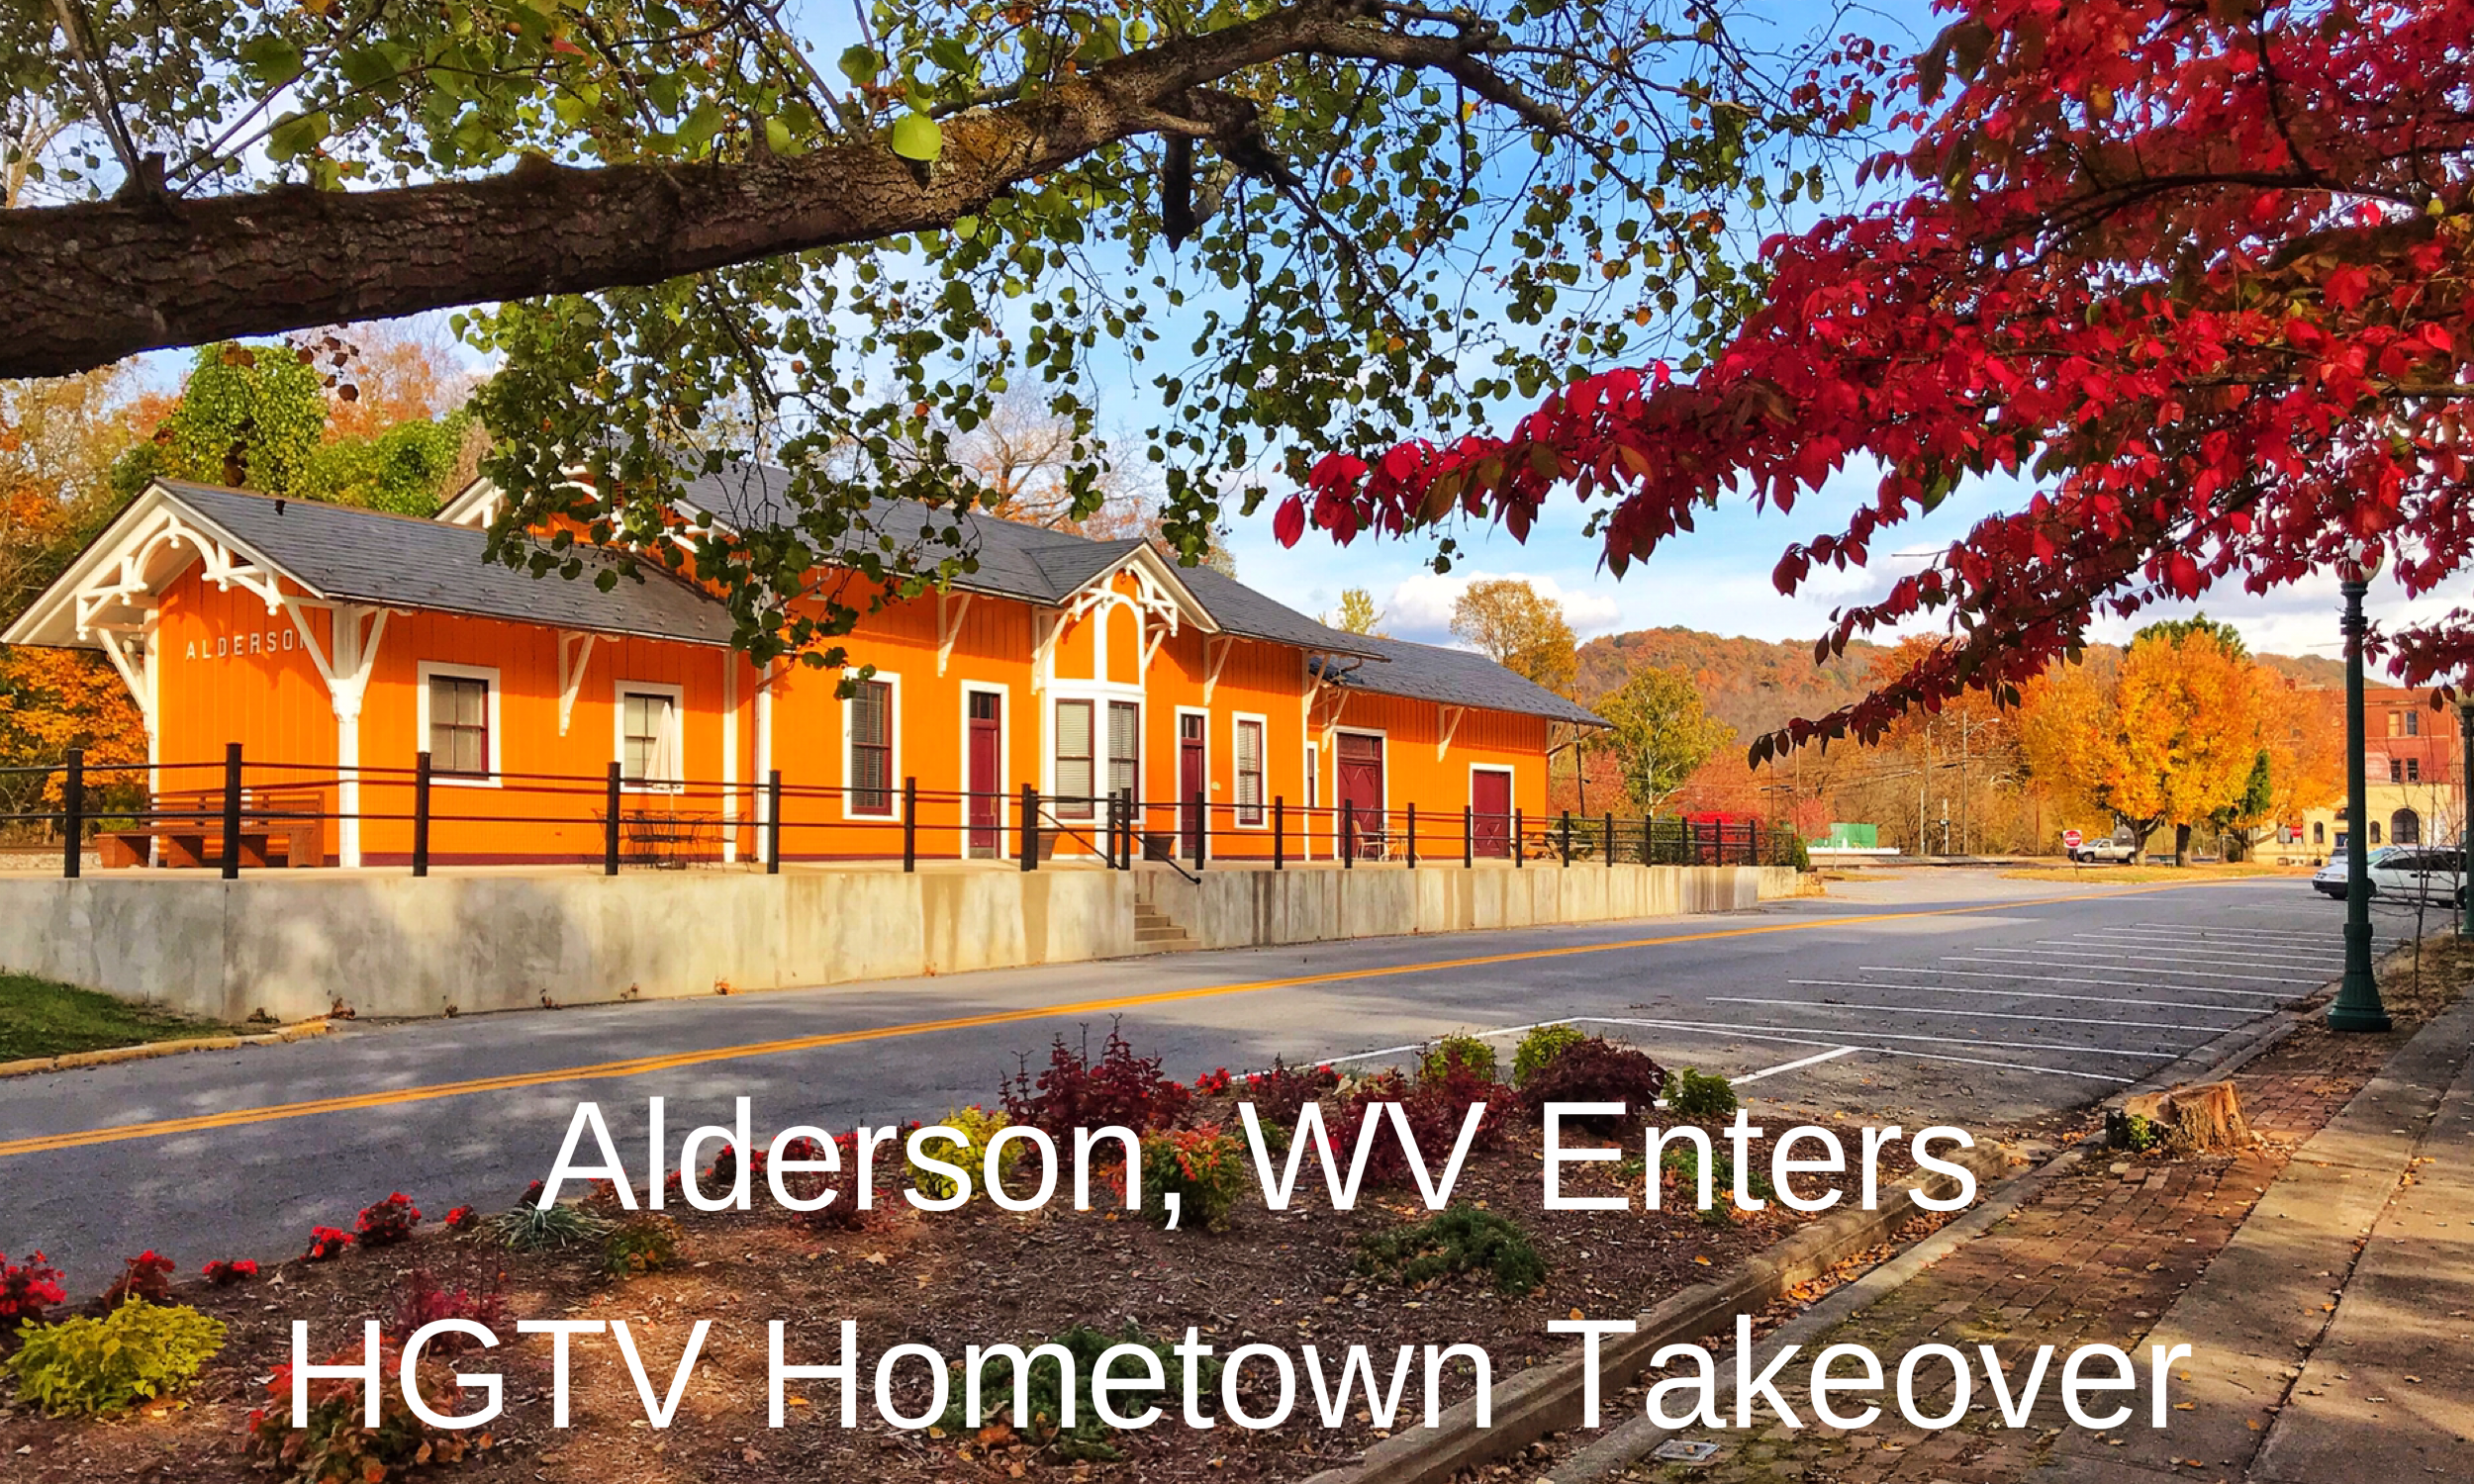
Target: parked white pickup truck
<point x="2121" y="850"/>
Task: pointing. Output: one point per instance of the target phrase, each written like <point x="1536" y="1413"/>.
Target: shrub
<point x="1540" y="1046"/>
<point x="1700" y="1098"/>
<point x="1595" y="1070"/>
<point x="334" y="1447"/>
<point x="1281" y="1094"/>
<point x="1680" y="1169"/>
<point x="25" y="1291"/>
<point x="148" y="1276"/>
<point x="1214" y="1082"/>
<point x="1203" y="1166"/>
<point x="423" y="1302"/>
<point x="1435" y="1110"/>
<point x="1467" y="1052"/>
<point x="224" y="1274"/>
<point x="389" y="1221"/>
<point x="529" y="1229"/>
<point x="976" y="1126"/>
<point x="89" y="1367"/>
<point x="649" y="1244"/>
<point x="462" y="1219"/>
<point x="326" y="1243"/>
<point x="1088" y="1439"/>
<point x="1077" y="1092"/>
<point x="1460" y="1240"/>
<point x="844" y="1214"/>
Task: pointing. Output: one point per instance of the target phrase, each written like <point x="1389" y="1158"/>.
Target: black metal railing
<point x="234" y="812"/>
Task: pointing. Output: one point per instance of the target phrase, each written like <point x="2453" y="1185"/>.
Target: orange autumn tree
<point x="2306" y="741"/>
<point x="58" y="439"/>
<point x="2170" y="737"/>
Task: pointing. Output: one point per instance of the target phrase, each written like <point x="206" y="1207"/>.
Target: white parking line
<point x="2081" y="999"/>
<point x="1829" y="1007"/>
<point x="2080" y="1050"/>
<point x="2309" y="935"/>
<point x="2009" y="955"/>
<point x="2224" y="938"/>
<point x="2212" y="956"/>
<point x="1769" y="1072"/>
<point x="1878" y="1051"/>
<point x="2057" y="979"/>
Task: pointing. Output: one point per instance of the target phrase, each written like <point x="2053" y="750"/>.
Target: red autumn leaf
<point x="2213" y="360"/>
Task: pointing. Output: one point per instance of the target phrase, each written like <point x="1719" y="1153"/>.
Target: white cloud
<point x="1420" y="606"/>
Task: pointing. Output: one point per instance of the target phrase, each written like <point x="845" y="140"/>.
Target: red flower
<point x="224" y="1274"/>
<point x="326" y="1243"/>
<point x="389" y="1221"/>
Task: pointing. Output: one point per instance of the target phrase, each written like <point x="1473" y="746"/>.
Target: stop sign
<point x="2070" y="839"/>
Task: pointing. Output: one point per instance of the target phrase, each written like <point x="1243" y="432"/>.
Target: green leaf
<point x="861" y="64"/>
<point x="916" y="136"/>
<point x="297" y="136"/>
<point x="273" y="60"/>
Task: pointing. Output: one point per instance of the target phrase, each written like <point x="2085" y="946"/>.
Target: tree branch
<point x="81" y="286"/>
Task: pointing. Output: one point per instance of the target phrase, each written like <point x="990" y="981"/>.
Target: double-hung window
<point x="1249" y="772"/>
<point x="1076" y="773"/>
<point x="459" y="726"/>
<point x="871" y="783"/>
<point x="648" y="739"/>
<point x="1126" y="748"/>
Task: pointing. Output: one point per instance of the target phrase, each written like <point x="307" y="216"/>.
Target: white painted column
<point x="730" y="756"/>
<point x="764" y="756"/>
<point x="345" y="643"/>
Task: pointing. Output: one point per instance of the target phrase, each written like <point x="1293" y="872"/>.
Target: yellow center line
<point x="640" y="1066"/>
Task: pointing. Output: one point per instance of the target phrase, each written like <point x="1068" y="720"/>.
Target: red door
<point x="1191" y="783"/>
<point x="1361" y="768"/>
<point x="1490" y="801"/>
<point x="985" y="783"/>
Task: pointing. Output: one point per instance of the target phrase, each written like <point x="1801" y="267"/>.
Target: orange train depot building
<point x="335" y="646"/>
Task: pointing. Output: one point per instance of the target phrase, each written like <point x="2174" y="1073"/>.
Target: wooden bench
<point x="278" y="826"/>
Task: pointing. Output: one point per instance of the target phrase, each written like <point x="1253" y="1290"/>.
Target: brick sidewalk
<point x="2094" y="1258"/>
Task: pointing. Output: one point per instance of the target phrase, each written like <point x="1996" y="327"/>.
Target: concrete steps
<point x="1158" y="933"/>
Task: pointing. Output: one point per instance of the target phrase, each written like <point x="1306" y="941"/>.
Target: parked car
<point x="2121" y="850"/>
<point x="2406" y="871"/>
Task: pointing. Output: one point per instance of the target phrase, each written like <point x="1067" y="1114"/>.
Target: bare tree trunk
<point x="2182" y="843"/>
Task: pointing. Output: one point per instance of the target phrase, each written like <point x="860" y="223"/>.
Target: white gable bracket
<point x="950" y="608"/>
<point x="575" y="651"/>
<point x="1447" y="726"/>
<point x="1215" y="653"/>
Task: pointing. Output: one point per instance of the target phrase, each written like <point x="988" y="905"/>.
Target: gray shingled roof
<point x="1015" y="560"/>
<point x="1456" y="677"/>
<point x="366" y="556"/>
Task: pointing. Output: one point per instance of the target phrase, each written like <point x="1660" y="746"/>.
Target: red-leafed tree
<point x="2194" y="270"/>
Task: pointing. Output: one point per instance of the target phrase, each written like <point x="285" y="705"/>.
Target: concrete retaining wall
<point x="290" y="946"/>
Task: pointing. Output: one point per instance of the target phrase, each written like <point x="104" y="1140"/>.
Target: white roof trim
<point x="111" y="584"/>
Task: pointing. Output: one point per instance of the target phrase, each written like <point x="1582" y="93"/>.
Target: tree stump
<point x="2203" y="1119"/>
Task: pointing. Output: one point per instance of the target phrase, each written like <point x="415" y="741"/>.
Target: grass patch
<point x="43" y="1018"/>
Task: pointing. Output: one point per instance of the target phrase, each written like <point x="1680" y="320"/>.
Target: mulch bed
<point x="979" y="1275"/>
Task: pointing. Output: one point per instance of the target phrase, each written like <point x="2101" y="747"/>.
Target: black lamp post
<point x="2357" y="1006"/>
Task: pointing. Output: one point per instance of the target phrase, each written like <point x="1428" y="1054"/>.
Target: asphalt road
<point x="1937" y="996"/>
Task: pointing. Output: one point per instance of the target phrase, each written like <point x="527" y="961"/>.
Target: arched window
<point x="2375" y="833"/>
<point x="2319" y="832"/>
<point x="2405" y="827"/>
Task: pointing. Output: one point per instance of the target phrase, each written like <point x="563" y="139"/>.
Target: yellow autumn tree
<point x="2169" y="737"/>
